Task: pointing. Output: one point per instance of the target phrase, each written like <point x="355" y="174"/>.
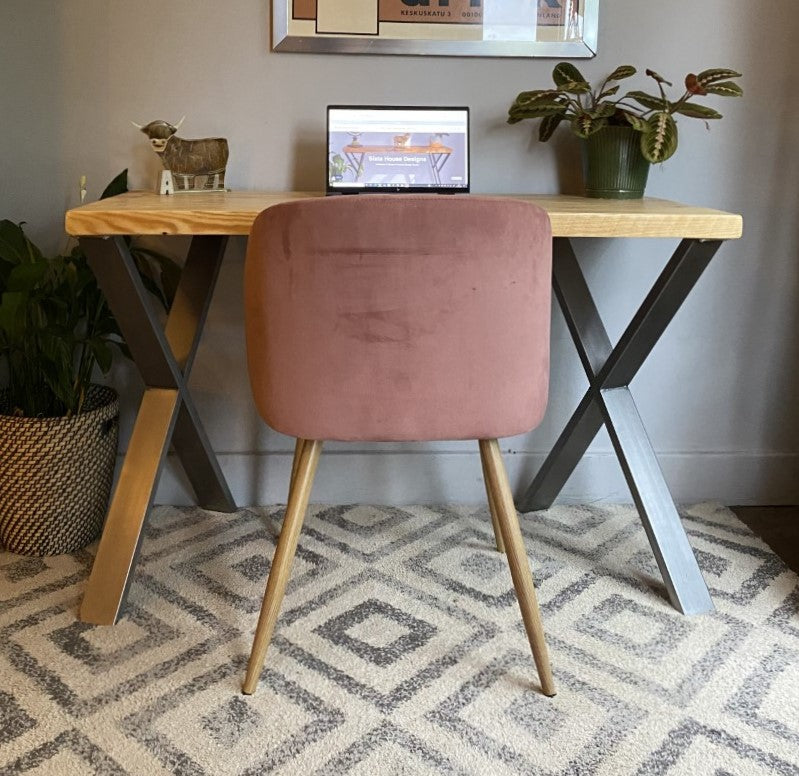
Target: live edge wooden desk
<point x="164" y="356"/>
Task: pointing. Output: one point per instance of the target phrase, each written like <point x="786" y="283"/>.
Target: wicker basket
<point x="55" y="476"/>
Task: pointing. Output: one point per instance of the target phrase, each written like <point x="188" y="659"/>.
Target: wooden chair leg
<point x="492" y="507"/>
<point x="499" y="486"/>
<point x="299" y="445"/>
<point x="299" y="494"/>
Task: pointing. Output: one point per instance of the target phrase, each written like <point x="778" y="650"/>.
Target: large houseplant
<point x="622" y="134"/>
<point x="58" y="431"/>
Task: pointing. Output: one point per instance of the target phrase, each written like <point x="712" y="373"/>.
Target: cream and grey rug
<point x="400" y="651"/>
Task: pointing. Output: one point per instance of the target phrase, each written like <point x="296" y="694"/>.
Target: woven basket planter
<point x="55" y="476"/>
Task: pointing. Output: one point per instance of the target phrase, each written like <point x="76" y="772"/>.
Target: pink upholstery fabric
<point x="392" y="317"/>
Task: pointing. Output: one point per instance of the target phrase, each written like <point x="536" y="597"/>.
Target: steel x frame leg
<point x="609" y="402"/>
<point x="164" y="356"/>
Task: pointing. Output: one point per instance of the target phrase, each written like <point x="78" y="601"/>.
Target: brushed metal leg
<point x="195" y="453"/>
<point x="608" y="401"/>
<point x="684" y="583"/>
<point x="593" y="347"/>
<point x="193" y="298"/>
<point x="562" y="460"/>
<point x="164" y="356"/>
<point x="182" y="331"/>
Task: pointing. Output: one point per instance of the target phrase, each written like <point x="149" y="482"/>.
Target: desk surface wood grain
<point x="231" y="213"/>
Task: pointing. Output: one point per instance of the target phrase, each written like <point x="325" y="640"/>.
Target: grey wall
<point x="719" y="392"/>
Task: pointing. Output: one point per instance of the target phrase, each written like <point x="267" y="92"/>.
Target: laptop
<point x="381" y="149"/>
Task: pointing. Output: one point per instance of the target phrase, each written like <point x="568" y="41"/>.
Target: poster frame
<point x="282" y="40"/>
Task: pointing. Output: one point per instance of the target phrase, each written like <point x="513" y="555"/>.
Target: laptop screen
<point x="384" y="149"/>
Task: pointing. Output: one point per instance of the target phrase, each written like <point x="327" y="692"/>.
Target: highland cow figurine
<point x="187" y="160"/>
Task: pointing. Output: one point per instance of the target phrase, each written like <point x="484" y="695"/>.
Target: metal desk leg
<point x="608" y="401"/>
<point x="164" y="357"/>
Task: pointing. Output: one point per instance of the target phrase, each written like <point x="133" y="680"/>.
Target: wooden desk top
<point x="144" y="212"/>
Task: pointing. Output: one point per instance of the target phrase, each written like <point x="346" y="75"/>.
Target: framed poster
<point x="480" y="28"/>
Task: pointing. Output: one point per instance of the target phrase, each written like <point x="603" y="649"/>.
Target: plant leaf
<point x="525" y="98"/>
<point x="566" y="73"/>
<point x="15" y="247"/>
<point x="636" y="122"/>
<point x="117" y="186"/>
<point x="725" y="89"/>
<point x="604" y="110"/>
<point x="660" y="141"/>
<point x="610" y="92"/>
<point x="648" y="100"/>
<point x="123" y="349"/>
<point x="695" y="111"/>
<point x="576" y="87"/>
<point x="585" y="125"/>
<point x="549" y="125"/>
<point x="102" y="353"/>
<point x="581" y="125"/>
<point x="622" y="71"/>
<point x="659" y="78"/>
<point x="12" y="314"/>
<point x="25" y="277"/>
<point x="714" y="75"/>
<point x="166" y="272"/>
<point x="151" y="285"/>
<point x="537" y="112"/>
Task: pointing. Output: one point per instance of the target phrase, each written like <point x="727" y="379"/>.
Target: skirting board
<point x="455" y="477"/>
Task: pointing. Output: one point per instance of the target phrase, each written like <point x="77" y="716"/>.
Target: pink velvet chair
<point x="387" y="318"/>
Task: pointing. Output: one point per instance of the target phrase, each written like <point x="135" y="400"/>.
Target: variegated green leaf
<point x="604" y="110"/>
<point x="659" y="142"/>
<point x="549" y="106"/>
<point x="622" y="71"/>
<point x="598" y="124"/>
<point x="549" y="125"/>
<point x="636" y="122"/>
<point x="695" y="111"/>
<point x="648" y="100"/>
<point x="610" y="92"/>
<point x="725" y="89"/>
<point x="581" y="125"/>
<point x="715" y="75"/>
<point x="659" y="78"/>
<point x="566" y="72"/>
<point x="536" y="94"/>
<point x="576" y="87"/>
<point x="536" y="112"/>
<point x="585" y="125"/>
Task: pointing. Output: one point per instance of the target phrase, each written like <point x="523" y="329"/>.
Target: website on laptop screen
<point x="397" y="149"/>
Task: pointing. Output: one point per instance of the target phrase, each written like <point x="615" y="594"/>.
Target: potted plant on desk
<point x="58" y="430"/>
<point x="622" y="135"/>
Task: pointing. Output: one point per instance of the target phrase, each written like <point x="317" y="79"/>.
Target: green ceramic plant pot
<point x="613" y="163"/>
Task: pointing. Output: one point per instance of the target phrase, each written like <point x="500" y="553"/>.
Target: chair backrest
<point x="391" y="317"/>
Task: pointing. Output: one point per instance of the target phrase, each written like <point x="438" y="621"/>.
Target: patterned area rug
<point x="400" y="651"/>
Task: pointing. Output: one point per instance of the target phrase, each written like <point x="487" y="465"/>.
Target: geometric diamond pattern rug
<point x="400" y="650"/>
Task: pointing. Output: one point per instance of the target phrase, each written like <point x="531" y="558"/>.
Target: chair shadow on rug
<point x="413" y="318"/>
